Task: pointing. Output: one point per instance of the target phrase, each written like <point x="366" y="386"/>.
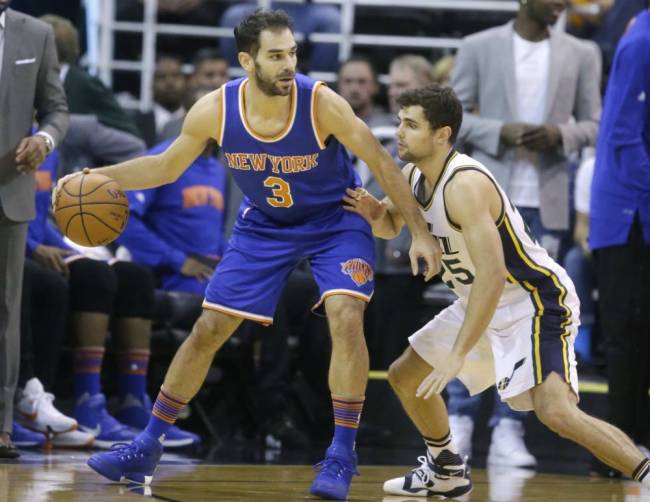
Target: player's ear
<point x="246" y="61"/>
<point x="443" y="134"/>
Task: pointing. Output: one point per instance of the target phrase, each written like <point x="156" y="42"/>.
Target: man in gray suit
<point x="531" y="97"/>
<point x="29" y="80"/>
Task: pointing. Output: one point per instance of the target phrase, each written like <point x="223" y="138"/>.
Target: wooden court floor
<point x="66" y="478"/>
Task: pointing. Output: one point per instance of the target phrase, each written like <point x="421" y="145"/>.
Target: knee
<point x="557" y="416"/>
<point x="135" y="290"/>
<point x="211" y="330"/>
<point x="93" y="286"/>
<point x="400" y="378"/>
<point x="346" y="322"/>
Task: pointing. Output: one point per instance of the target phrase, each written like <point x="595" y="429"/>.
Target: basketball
<point x="91" y="209"/>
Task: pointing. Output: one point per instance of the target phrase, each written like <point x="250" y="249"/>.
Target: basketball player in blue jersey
<point x="516" y="316"/>
<point x="283" y="136"/>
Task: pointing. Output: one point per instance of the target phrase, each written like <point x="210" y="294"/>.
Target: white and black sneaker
<point x="432" y="480"/>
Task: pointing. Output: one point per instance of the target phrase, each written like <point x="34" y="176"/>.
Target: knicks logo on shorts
<point x="359" y="271"/>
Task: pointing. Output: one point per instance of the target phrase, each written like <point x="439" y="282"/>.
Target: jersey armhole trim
<point x="502" y="213"/>
<point x="222" y="117"/>
<point x="314" y="114"/>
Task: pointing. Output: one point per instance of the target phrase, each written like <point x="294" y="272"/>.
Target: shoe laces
<point x="422" y="472"/>
<point x="334" y="467"/>
<point x="127" y="451"/>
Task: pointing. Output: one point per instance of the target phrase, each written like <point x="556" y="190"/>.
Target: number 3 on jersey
<point x="281" y="192"/>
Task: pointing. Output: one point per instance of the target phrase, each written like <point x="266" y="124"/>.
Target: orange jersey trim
<point x="346" y="292"/>
<point x="288" y="125"/>
<point x="222" y="117"/>
<point x="314" y="114"/>
<point x="266" y="321"/>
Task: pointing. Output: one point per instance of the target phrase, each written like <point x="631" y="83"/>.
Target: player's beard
<point x="268" y="86"/>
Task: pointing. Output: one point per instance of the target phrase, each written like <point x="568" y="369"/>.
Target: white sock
<point x="443" y="451"/>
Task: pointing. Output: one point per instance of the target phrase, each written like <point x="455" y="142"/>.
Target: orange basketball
<point x="91" y="209"/>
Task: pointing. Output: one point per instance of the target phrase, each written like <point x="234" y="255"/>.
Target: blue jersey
<point x="292" y="177"/>
<point x="183" y="218"/>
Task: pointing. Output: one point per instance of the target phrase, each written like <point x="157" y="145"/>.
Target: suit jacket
<point x="87" y="95"/>
<point x="484" y="80"/>
<point x="30" y="80"/>
<point x="90" y="143"/>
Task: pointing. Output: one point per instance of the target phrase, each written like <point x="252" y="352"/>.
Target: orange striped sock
<point x="87" y="369"/>
<point x="132" y="373"/>
<point x="347" y="414"/>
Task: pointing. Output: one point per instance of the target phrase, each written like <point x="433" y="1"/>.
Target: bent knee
<point x="557" y="416"/>
<point x="401" y="376"/>
<point x="213" y="328"/>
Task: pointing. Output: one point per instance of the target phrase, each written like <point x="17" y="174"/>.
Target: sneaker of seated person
<point x="24" y="438"/>
<point x="135" y="412"/>
<point x="35" y="410"/>
<point x="90" y="412"/>
<point x="73" y="439"/>
<point x="507" y="447"/>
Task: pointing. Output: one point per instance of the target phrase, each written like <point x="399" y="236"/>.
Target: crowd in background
<point x="532" y="119"/>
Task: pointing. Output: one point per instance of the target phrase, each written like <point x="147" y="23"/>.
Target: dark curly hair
<point x="247" y="32"/>
<point x="440" y="104"/>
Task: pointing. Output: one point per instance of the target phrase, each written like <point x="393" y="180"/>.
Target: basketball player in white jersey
<point x="516" y="316"/>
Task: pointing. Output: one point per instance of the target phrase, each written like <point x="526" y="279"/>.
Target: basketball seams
<point x="81" y="210"/>
<point x="90" y="204"/>
<point x="102" y="222"/>
<point x="108" y="206"/>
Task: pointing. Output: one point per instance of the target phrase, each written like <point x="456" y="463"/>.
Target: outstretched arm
<point x="474" y="204"/>
<point x="201" y="124"/>
<point x="335" y="117"/>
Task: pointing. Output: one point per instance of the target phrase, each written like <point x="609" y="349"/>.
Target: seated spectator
<point x="357" y="83"/>
<point x="90" y="143"/>
<point x="100" y="291"/>
<point x="308" y="18"/>
<point x="210" y="69"/>
<point x="408" y="71"/>
<point x="169" y="88"/>
<point x="178" y="229"/>
<point x="85" y="93"/>
<point x="210" y="72"/>
<point x="578" y="262"/>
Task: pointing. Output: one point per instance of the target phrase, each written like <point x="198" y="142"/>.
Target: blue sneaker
<point x="136" y="412"/>
<point x="25" y="438"/>
<point x="133" y="461"/>
<point x="90" y="412"/>
<point x="335" y="474"/>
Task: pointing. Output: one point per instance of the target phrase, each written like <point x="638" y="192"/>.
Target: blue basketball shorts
<point x="261" y="254"/>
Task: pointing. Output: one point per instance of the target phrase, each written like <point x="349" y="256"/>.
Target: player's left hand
<point x="360" y="201"/>
<point x="424" y="246"/>
<point x="30" y="153"/>
<point x="438" y="379"/>
<point x="542" y="137"/>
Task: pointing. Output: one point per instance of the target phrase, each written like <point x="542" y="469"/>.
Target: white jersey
<point x="531" y="272"/>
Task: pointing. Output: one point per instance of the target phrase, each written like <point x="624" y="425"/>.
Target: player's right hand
<point x="53" y="258"/>
<point x="63" y="181"/>
<point x="194" y="268"/>
<point x="425" y="247"/>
